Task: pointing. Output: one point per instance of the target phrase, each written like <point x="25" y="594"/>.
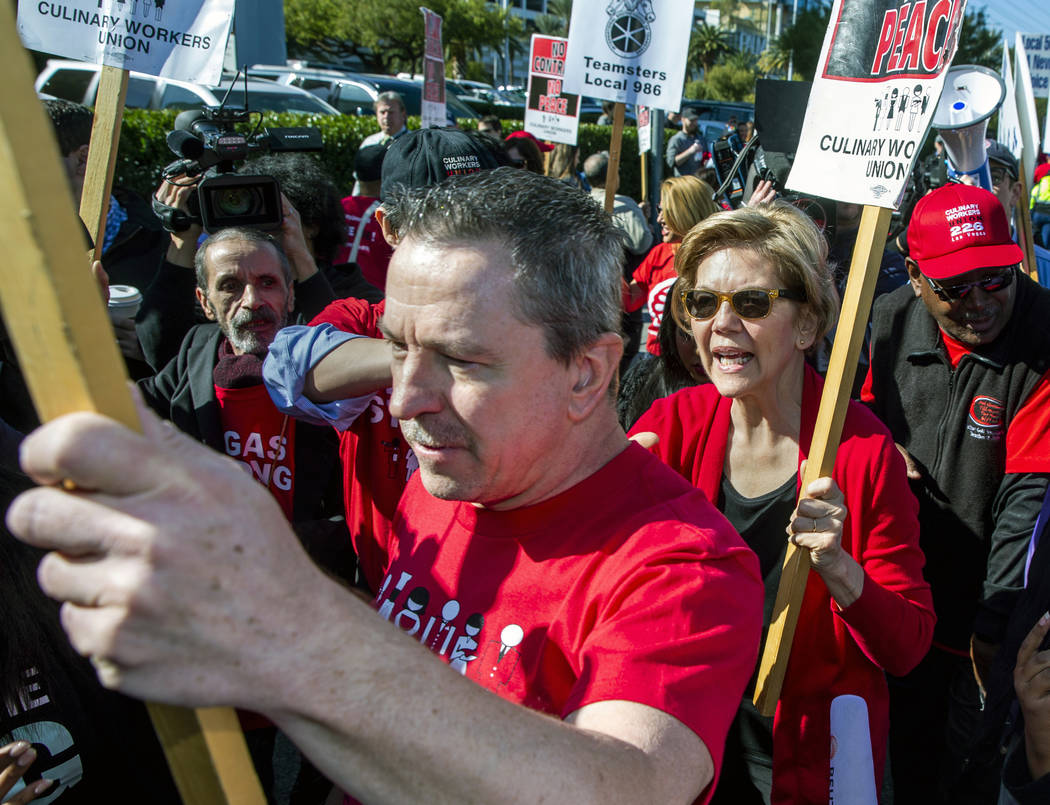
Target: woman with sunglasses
<point x="756" y="292"/>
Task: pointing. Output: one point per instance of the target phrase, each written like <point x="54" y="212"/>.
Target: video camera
<point x="779" y="112"/>
<point x="209" y="144"/>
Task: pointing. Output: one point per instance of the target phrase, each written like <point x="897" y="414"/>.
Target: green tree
<point x="978" y="43"/>
<point x="775" y="59"/>
<point x="707" y="45"/>
<point x="388" y="36"/>
<point x="803" y="40"/>
<point x="556" y="21"/>
<point x="317" y="28"/>
<point x="733" y="80"/>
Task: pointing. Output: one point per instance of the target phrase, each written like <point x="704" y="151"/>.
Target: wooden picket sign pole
<point x="102" y="154"/>
<point x="1024" y="231"/>
<point x="612" y="177"/>
<point x="849" y="337"/>
<point x="68" y="355"/>
<point x="645" y="177"/>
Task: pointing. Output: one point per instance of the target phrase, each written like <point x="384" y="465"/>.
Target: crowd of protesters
<point x="427" y="397"/>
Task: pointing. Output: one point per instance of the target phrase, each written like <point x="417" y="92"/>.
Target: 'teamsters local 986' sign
<point x="632" y="51"/>
<point x="180" y="39"/>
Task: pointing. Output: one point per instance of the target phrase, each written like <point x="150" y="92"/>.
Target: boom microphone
<point x="184" y="144"/>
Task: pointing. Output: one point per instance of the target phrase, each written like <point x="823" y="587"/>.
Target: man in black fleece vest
<point x="959" y="373"/>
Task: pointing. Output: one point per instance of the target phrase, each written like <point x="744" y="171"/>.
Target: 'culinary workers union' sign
<point x="180" y="39"/>
<point x="880" y="75"/>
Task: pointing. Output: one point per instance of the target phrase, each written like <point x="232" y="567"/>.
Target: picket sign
<point x="65" y="345"/>
<point x="102" y="154"/>
<point x="849" y="338"/>
<point x="612" y="176"/>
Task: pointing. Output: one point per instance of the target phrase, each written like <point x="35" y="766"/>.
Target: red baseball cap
<point x="539" y="143"/>
<point x="959" y="228"/>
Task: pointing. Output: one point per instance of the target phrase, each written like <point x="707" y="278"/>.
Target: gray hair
<point x="596" y="168"/>
<point x="238" y="233"/>
<point x="391" y="97"/>
<point x="565" y="252"/>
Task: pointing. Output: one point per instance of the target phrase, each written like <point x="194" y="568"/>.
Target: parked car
<point x="78" y="81"/>
<point x="355" y="93"/>
<point x="720" y="110"/>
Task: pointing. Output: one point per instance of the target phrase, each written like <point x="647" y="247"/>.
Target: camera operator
<point x="169" y="307"/>
<point x="306" y="183"/>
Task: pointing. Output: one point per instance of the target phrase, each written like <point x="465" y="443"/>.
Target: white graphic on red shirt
<point x="408" y="618"/>
<point x="500" y="660"/>
<point x="441" y="634"/>
<point x="467" y="644"/>
<point x="657" y="304"/>
<point x="251" y="454"/>
<point x="398" y="452"/>
<point x="448" y="614"/>
<point x="386" y="609"/>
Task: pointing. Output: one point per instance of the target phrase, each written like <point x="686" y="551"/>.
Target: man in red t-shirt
<point x="365" y="243"/>
<point x="597" y="617"/>
<point x="213" y="390"/>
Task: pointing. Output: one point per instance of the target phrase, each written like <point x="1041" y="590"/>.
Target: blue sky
<point x="1027" y="16"/>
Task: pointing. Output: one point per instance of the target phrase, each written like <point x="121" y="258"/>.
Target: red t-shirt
<point x="656" y="275"/>
<point x="377" y="461"/>
<point x="261" y="439"/>
<point x="630" y="585"/>
<point x="373" y="255"/>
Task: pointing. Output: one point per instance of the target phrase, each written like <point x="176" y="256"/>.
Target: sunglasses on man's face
<point x="752" y="303"/>
<point x="990" y="284"/>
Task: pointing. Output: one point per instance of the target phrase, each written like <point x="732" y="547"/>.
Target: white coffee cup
<point x="124" y="302"/>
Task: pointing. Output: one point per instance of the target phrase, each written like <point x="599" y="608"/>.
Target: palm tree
<point x="556" y="21"/>
<point x="707" y="45"/>
<point x="775" y="58"/>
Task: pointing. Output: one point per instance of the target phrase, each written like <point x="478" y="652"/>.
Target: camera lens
<point x="238" y="201"/>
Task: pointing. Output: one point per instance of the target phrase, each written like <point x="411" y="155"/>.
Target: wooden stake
<point x="612" y="178"/>
<point x="102" y="154"/>
<point x="1024" y="231"/>
<point x="68" y="354"/>
<point x="645" y="177"/>
<point x="849" y="337"/>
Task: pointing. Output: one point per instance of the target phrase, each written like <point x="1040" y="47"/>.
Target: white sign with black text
<point x="880" y="75"/>
<point x="645" y="130"/>
<point x="1037" y="48"/>
<point x="184" y="40"/>
<point x="630" y="51"/>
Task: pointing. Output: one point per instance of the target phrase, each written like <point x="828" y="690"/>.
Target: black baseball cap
<point x="368" y="163"/>
<point x="427" y="156"/>
<point x="1001" y="155"/>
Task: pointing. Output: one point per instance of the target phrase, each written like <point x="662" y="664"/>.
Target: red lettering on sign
<point x="931" y="55"/>
<point x="902" y="27"/>
<point x="889" y="24"/>
<point x="913" y="41"/>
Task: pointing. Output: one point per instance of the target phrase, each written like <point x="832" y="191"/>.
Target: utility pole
<point x="506" y="48"/>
